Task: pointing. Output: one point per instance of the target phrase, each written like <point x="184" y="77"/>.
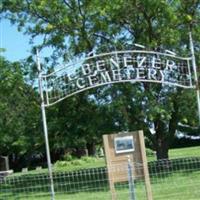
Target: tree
<point x="72" y="27"/>
<point x="19" y="110"/>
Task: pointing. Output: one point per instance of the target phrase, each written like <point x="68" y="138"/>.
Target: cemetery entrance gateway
<point x="114" y="67"/>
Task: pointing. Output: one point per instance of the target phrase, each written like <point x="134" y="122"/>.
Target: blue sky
<point x="16" y="44"/>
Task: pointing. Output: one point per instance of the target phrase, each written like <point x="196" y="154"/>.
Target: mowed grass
<point x="68" y="167"/>
<point x="179" y="153"/>
<point x="174" y="186"/>
<point x="100" y="162"/>
<point x="181" y="185"/>
<point x="185" y="152"/>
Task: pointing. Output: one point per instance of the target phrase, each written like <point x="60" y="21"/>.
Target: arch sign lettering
<point x="115" y="67"/>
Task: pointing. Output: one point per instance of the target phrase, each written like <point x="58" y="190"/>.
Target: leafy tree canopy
<point x="75" y="27"/>
<point x="19" y="111"/>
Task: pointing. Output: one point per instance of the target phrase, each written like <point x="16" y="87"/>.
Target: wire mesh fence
<point x="176" y="179"/>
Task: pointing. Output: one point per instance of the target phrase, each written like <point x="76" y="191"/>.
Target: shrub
<point x="68" y="157"/>
<point x="88" y="159"/>
<point x="149" y="152"/>
<point x="62" y="164"/>
<point x="77" y="162"/>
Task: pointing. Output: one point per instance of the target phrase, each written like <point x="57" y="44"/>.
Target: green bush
<point x="59" y="164"/>
<point x="77" y="162"/>
<point x="89" y="159"/>
<point x="70" y="161"/>
<point x="149" y="152"/>
<point x="68" y="157"/>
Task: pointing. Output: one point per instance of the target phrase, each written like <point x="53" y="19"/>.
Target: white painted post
<point x="45" y="127"/>
<point x="195" y="73"/>
<point x="131" y="180"/>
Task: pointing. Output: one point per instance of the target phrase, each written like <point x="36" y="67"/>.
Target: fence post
<point x="44" y="120"/>
<point x="110" y="168"/>
<point x="131" y="180"/>
<point x="195" y="73"/>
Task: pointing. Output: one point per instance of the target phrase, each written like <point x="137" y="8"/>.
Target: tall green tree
<point x="75" y="27"/>
<point x="19" y="110"/>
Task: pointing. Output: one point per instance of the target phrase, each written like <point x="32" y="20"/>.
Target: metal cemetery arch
<point x="114" y="67"/>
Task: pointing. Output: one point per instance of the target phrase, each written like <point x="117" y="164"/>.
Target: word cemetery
<point x="130" y="66"/>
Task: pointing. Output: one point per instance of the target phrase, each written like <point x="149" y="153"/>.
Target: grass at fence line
<point x="163" y="185"/>
<point x="178" y="153"/>
<point x="184" y="152"/>
<point x="74" y="165"/>
<point x="78" y="164"/>
<point x="174" y="186"/>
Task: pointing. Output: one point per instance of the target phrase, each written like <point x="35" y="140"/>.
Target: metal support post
<point x="45" y="129"/>
<point x="195" y="73"/>
<point x="131" y="180"/>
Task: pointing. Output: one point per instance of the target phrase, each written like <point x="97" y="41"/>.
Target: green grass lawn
<point x="100" y="162"/>
<point x="74" y="165"/>
<point x="173" y="185"/>
<point x="184" y="152"/>
<point x="180" y="153"/>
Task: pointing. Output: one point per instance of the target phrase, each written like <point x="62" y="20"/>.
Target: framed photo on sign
<point x="124" y="144"/>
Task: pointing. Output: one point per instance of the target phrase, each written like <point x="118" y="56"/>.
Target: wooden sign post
<point x="118" y="149"/>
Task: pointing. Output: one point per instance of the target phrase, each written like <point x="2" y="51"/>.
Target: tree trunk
<point x="161" y="140"/>
<point x="91" y="147"/>
<point x="165" y="133"/>
<point x="162" y="149"/>
<point x="79" y="152"/>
